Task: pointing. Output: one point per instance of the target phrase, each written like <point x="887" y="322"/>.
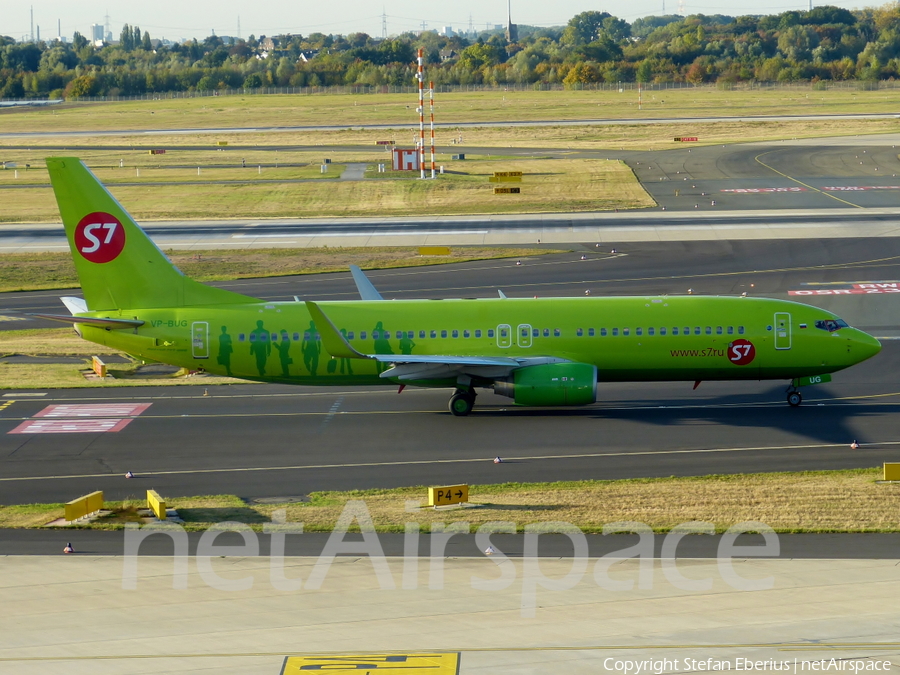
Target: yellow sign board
<point x="434" y="250"/>
<point x="98" y="366"/>
<point x="78" y="508"/>
<point x="221" y="142"/>
<point x="156" y="504"/>
<point x="374" y="664"/>
<point x="507" y="174"/>
<point x="507" y="190"/>
<point x="447" y="495"/>
<point x="892" y="470"/>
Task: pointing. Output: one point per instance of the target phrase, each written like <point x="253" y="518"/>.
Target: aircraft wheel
<point x="794" y="399"/>
<point x="461" y="404"/>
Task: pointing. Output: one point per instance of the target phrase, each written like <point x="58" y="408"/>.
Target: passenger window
<point x="240" y="337"/>
<point x="731" y="330"/>
<point x="615" y="332"/>
<point x="651" y="331"/>
<point x="421" y="334"/>
<point x="535" y="332"/>
<point x="264" y="337"/>
<point x="675" y="330"/>
<point x="579" y="332"/>
<point x="590" y="332"/>
<point x="411" y="334"/>
<point x="252" y="337"/>
<point x="490" y="332"/>
<point x="465" y="333"/>
<point x="443" y="333"/>
<point x="349" y="335"/>
<point x="740" y="330"/>
<point x="433" y="333"/>
<point x="478" y="333"/>
<point x="602" y="332"/>
<point x="546" y="332"/>
<point x="456" y="333"/>
<point x="362" y="335"/>
<point x="697" y="330"/>
<point x="399" y="334"/>
<point x="662" y="331"/>
<point x="638" y="331"/>
<point x="274" y="337"/>
<point x="718" y="330"/>
<point x="556" y="332"/>
<point x="504" y="332"/>
<point x="709" y="330"/>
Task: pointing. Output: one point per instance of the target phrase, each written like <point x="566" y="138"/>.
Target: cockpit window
<point x="831" y="325"/>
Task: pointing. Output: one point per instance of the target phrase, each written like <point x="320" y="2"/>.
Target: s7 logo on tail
<point x="99" y="237"/>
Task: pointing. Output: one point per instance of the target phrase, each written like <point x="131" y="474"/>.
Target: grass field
<point x="34" y="271"/>
<point x="362" y="109"/>
<point x="827" y="501"/>
<point x="548" y="186"/>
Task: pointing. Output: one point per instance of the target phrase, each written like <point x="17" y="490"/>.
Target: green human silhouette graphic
<point x="311" y="349"/>
<point x="260" y="347"/>
<point x="382" y="344"/>
<point x="225" y="350"/>
<point x="406" y="344"/>
<point x="344" y="361"/>
<point x="284" y="348"/>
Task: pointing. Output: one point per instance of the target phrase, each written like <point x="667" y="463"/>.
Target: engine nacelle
<point x="551" y="384"/>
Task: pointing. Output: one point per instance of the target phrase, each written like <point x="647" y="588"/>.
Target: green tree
<point x="584" y="28"/>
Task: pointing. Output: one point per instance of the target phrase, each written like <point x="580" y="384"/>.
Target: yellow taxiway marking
<point x="781" y="646"/>
<point x="800" y="182"/>
<point x="420" y="663"/>
<point x="470" y="460"/>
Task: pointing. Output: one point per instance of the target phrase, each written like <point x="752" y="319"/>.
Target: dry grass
<point x="827" y="501"/>
<point x="549" y="186"/>
<point x="491" y="106"/>
<point x="32" y="271"/>
<point x="49" y="342"/>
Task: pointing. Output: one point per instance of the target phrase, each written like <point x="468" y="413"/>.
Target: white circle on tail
<point x="99" y="237"/>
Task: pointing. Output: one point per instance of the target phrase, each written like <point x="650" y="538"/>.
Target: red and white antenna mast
<point x="420" y="76"/>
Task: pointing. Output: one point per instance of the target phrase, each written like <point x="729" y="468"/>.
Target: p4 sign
<point x="99" y="237"/>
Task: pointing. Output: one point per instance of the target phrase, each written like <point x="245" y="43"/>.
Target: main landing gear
<point x="794" y="398"/>
<point x="462" y="402"/>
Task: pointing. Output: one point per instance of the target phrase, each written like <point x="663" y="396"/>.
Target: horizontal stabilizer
<point x="91" y="320"/>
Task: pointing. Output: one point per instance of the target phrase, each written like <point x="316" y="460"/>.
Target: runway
<point x="264" y="441"/>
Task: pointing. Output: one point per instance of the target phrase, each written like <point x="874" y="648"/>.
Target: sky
<point x="178" y="20"/>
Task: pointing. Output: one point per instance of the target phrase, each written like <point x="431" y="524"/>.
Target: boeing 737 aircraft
<point x="539" y="352"/>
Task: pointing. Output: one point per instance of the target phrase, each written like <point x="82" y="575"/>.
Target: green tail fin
<point x="118" y="265"/>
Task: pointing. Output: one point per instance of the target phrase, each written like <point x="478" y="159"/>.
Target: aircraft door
<point x="782" y="330"/>
<point x="200" y="339"/>
<point x="523" y="335"/>
<point x="504" y="335"/>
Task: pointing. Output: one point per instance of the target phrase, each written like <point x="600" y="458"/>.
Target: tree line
<point x="825" y="43"/>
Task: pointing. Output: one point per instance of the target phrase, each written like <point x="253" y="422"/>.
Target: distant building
<point x="448" y="54"/>
<point x="97" y="33"/>
<point x="512" y="31"/>
<point x="447" y="31"/>
<point x="308" y="55"/>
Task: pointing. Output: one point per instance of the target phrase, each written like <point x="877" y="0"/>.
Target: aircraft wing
<point x="410" y="366"/>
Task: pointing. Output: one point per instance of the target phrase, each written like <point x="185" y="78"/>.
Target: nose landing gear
<point x="794" y="398"/>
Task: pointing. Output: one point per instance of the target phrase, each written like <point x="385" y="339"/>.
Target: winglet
<point x="366" y="290"/>
<point x="502" y="294"/>
<point x="334" y="343"/>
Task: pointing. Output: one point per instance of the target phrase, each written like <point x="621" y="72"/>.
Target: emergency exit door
<point x="782" y="330"/>
<point x="200" y="340"/>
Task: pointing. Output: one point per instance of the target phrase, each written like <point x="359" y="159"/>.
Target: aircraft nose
<point x="865" y="346"/>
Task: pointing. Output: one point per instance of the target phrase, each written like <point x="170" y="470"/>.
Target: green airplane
<point x="539" y="352"/>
